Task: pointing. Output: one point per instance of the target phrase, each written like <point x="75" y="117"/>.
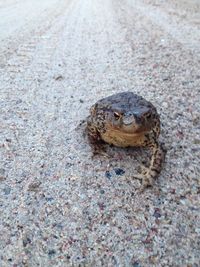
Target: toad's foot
<point x="147" y="180"/>
<point x="98" y="149"/>
<point x="143" y="170"/>
<point x="99" y="152"/>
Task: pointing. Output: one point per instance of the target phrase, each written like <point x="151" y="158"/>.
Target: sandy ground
<point x="60" y="207"/>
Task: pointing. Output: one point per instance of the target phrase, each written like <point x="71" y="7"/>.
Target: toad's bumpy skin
<point x="126" y="119"/>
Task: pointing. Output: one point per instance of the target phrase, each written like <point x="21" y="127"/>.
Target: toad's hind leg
<point x="157" y="159"/>
<point x="158" y="154"/>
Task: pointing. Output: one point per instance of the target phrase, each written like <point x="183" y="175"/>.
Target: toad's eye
<point x="148" y="116"/>
<point x="116" y="115"/>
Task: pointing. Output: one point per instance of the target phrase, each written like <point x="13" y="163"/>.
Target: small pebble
<point x="34" y="186"/>
<point x="119" y="171"/>
<point x="26" y="241"/>
<point x="196" y="141"/>
<point x="136" y="264"/>
<point x="108" y="174"/>
<point x="2" y="174"/>
<point x="7" y="190"/>
<point x="165" y="105"/>
<point x="157" y="213"/>
<point x="51" y="252"/>
<point x="19" y="101"/>
<point x="58" y="77"/>
<point x="167" y="78"/>
<point x="49" y="199"/>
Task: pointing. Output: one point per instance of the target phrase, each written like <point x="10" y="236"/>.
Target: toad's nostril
<point x="128" y="114"/>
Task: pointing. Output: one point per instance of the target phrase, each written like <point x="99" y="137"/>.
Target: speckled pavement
<point x="58" y="205"/>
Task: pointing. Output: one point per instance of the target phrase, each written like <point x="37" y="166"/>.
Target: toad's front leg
<point x="96" y="143"/>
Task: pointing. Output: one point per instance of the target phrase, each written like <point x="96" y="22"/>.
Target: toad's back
<point x="123" y="102"/>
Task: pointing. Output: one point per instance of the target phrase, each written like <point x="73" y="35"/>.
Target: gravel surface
<point x="60" y="207"/>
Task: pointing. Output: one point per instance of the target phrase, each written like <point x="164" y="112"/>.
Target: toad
<point x="126" y="119"/>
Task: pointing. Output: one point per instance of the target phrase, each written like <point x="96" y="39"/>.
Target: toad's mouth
<point x="128" y="130"/>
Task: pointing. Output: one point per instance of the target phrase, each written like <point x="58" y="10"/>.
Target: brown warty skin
<point x="126" y="119"/>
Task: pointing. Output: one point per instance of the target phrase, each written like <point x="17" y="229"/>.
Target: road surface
<point x="58" y="205"/>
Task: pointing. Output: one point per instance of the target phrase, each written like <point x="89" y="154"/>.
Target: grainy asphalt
<point x="60" y="207"/>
